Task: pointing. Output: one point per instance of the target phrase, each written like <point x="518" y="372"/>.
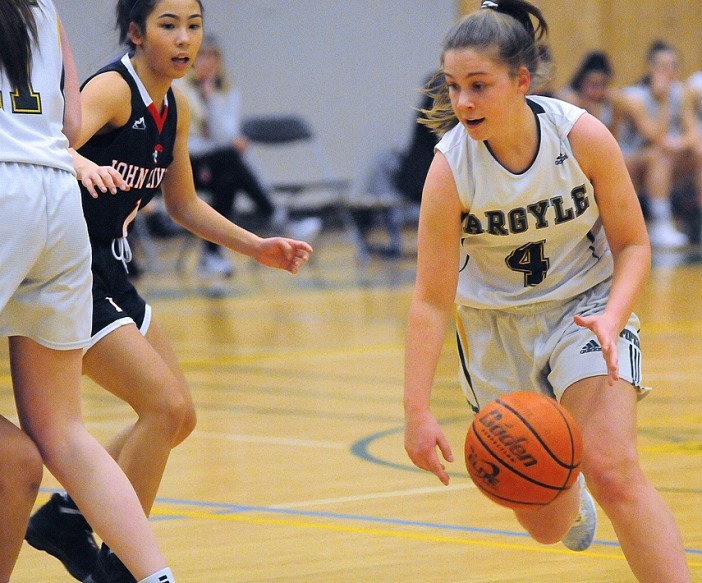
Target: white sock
<point x="163" y="576"/>
<point x="660" y="209"/>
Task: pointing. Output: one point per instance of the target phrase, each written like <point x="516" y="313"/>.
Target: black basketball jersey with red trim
<point x="141" y="150"/>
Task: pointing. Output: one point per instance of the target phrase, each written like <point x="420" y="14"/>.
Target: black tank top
<point x="141" y="151"/>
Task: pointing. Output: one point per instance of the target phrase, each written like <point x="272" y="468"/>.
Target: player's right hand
<point x="422" y="438"/>
<point x="97" y="178"/>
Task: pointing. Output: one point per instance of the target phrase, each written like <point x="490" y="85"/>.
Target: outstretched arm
<point x="193" y="213"/>
<point x="430" y="313"/>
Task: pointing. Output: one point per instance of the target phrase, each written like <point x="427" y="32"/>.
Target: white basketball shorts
<point x="45" y="288"/>
<point x="538" y="348"/>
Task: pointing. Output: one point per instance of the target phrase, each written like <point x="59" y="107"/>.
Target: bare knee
<point x="173" y="414"/>
<point x="22" y="467"/>
<point x="188" y="424"/>
<point x="613" y="481"/>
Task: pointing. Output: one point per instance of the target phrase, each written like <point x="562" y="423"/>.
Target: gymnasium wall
<point x="623" y="28"/>
<point x="352" y="66"/>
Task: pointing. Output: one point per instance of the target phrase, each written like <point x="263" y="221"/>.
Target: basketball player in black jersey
<point x="133" y="142"/>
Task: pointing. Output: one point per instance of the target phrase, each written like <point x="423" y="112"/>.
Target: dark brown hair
<point x="509" y="29"/>
<point x="18" y="29"/>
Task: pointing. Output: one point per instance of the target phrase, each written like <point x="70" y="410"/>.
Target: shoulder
<point x="543" y="104"/>
<point x="440" y="185"/>
<point x="454" y="138"/>
<point x="108" y="85"/>
<point x="182" y="103"/>
<point x="108" y="96"/>
<point x="592" y="143"/>
<point x="182" y="100"/>
<point x="556" y="112"/>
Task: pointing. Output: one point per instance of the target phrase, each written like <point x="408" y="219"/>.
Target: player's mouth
<point x="473" y="123"/>
<point x="183" y="61"/>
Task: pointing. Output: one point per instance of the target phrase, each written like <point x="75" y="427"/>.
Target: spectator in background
<point x="217" y="149"/>
<point x="543" y="81"/>
<point x="658" y="136"/>
<point x="417" y="158"/>
<point x="591" y="89"/>
<point x="693" y="97"/>
<point x="396" y="175"/>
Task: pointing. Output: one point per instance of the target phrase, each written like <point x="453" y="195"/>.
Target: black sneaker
<point x="109" y="569"/>
<point x="60" y="529"/>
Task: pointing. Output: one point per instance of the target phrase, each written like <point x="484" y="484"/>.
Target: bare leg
<point x="47" y="392"/>
<point x="549" y="524"/>
<point x="156" y="389"/>
<point x="20" y="479"/>
<point x="659" y="174"/>
<point x="644" y="524"/>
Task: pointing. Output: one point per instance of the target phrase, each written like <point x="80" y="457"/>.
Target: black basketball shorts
<point x="116" y="301"/>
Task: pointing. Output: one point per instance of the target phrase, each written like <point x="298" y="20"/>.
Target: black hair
<point x="511" y="30"/>
<point x="136" y="11"/>
<point x="18" y="29"/>
<point x="593" y="61"/>
<point x="656" y="47"/>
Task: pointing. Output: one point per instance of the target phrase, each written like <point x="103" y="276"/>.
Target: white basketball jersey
<point x="530" y="237"/>
<point x="31" y="118"/>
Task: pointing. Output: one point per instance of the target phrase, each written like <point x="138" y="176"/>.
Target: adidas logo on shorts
<point x="591" y="346"/>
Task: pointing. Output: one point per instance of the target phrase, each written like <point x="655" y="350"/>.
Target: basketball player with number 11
<point x="530" y="224"/>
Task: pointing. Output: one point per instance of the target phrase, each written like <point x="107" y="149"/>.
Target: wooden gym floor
<point x="297" y="472"/>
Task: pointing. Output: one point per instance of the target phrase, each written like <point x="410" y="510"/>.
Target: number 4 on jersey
<point x="530" y="260"/>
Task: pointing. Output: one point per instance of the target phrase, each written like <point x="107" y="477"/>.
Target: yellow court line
<point x="317" y="352"/>
<point x="686" y="447"/>
<point x="391" y="533"/>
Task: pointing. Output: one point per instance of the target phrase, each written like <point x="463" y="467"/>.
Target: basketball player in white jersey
<point x="45" y="291"/>
<point x="530" y="223"/>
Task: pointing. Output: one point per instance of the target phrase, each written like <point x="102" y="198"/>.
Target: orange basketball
<point x="522" y="450"/>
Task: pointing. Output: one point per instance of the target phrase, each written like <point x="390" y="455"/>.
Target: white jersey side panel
<point x="530" y="237"/>
<point x="31" y="118"/>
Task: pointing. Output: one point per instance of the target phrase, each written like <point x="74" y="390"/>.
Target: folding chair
<point x="378" y="196"/>
<point x="294" y="166"/>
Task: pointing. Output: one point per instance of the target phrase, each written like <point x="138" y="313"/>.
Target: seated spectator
<point x="395" y="175"/>
<point x="693" y="98"/>
<point x="591" y="88"/>
<point x="217" y="149"/>
<point x="658" y="136"/>
<point x="417" y="158"/>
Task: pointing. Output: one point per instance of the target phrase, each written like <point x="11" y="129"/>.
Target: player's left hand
<point x="287" y="254"/>
<point x="608" y="336"/>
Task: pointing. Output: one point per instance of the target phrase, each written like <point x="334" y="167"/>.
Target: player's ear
<point x="135" y="34"/>
<point x="523" y="79"/>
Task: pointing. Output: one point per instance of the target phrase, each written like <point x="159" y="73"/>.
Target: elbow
<point x="72" y="126"/>
<point x="73" y="135"/>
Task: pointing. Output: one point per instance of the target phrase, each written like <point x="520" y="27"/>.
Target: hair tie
<point x="489" y="4"/>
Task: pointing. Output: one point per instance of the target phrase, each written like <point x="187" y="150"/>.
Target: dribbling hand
<point x="422" y="437"/>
